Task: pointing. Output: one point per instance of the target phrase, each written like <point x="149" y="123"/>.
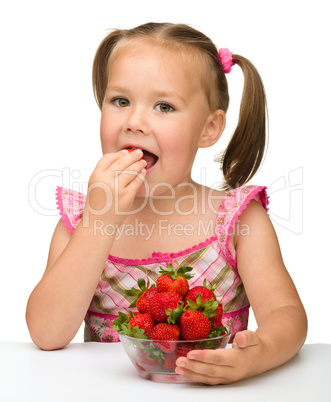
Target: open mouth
<point x="149" y="157"/>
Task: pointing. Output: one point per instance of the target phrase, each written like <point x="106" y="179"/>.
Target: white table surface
<point x="102" y="372"/>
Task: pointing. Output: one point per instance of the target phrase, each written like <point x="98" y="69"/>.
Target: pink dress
<point x="214" y="260"/>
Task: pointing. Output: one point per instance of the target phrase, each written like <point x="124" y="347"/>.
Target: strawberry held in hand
<point x="172" y="280"/>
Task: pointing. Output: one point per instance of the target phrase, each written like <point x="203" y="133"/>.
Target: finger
<point x="206" y="373"/>
<point x="134" y="179"/>
<point x="125" y="177"/>
<point x="108" y="159"/>
<point x="127" y="160"/>
<point x="245" y="339"/>
<point x="222" y="357"/>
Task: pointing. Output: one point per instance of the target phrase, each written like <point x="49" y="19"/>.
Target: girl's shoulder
<point x="232" y="206"/>
<point x="236" y="200"/>
<point x="232" y="203"/>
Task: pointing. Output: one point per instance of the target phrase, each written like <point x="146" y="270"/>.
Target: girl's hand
<point x="224" y="366"/>
<point x="113" y="186"/>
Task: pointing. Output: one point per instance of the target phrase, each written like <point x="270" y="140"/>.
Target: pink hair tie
<point x="225" y="57"/>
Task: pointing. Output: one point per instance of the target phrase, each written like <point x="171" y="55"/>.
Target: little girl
<point x="163" y="94"/>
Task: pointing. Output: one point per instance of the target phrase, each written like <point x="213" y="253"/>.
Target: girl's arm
<point x="279" y="313"/>
<point x="58" y="304"/>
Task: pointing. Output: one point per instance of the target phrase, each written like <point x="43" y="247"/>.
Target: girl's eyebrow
<point x="115" y="88"/>
<point x="168" y="94"/>
<point x="157" y="94"/>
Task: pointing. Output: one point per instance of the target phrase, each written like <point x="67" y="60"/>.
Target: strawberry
<point x="217" y="319"/>
<point x="131" y="149"/>
<point x="165" y="332"/>
<point x="143" y="321"/>
<point x="144" y="301"/>
<point x="142" y="295"/>
<point x="206" y="294"/>
<point x="170" y="358"/>
<point x="162" y="301"/>
<point x="194" y="325"/>
<point x="140" y="367"/>
<point x="172" y="280"/>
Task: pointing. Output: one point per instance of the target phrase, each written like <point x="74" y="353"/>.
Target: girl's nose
<point x="137" y="122"/>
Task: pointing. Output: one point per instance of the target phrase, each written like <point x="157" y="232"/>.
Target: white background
<point x="49" y="127"/>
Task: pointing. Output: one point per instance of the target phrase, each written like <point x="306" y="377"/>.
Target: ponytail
<point x="244" y="153"/>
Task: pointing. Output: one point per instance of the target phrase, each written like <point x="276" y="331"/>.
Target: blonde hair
<point x="245" y="150"/>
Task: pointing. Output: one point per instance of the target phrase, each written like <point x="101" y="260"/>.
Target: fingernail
<point x="124" y="151"/>
<point x="181" y="364"/>
<point x="179" y="371"/>
<point x="191" y="357"/>
<point x="138" y="151"/>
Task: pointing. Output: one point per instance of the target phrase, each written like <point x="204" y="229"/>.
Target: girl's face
<point x="155" y="103"/>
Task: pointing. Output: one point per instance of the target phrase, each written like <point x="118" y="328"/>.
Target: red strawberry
<point x="141" y="295"/>
<point x="165" y="332"/>
<point x="170" y="358"/>
<point x="173" y="280"/>
<point x="143" y="302"/>
<point x="141" y="368"/>
<point x="194" y="325"/>
<point x="162" y="301"/>
<point x="206" y="294"/>
<point x="131" y="149"/>
<point x="143" y="321"/>
<point x="217" y="319"/>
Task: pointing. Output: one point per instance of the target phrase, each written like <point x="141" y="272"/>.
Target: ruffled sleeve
<point x="232" y="206"/>
<point x="71" y="206"/>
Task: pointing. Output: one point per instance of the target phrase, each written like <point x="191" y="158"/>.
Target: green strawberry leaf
<point x="217" y="331"/>
<point x="139" y="333"/>
<point x="121" y="324"/>
<point x="183" y="272"/>
<point x="209" y="285"/>
<point x="180" y="271"/>
<point x="136" y="293"/>
<point x="142" y="284"/>
<point x="174" y="314"/>
<point x="154" y="353"/>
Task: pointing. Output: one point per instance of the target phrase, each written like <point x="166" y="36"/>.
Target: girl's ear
<point x="215" y="125"/>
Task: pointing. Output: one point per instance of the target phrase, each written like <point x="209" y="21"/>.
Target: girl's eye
<point x="164" y="107"/>
<point x="121" y="102"/>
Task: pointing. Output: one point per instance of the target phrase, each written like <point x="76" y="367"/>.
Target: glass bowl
<point x="155" y="360"/>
